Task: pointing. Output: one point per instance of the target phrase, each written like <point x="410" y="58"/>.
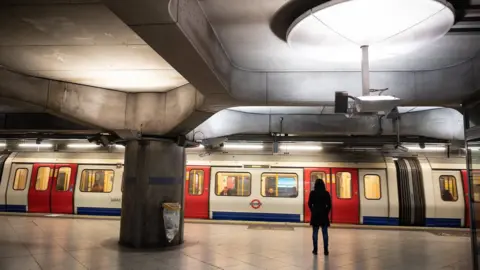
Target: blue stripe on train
<point x="390" y="221"/>
<point x="255" y="216"/>
<point x="443" y="222"/>
<point x="13" y="208"/>
<point x="96" y="211"/>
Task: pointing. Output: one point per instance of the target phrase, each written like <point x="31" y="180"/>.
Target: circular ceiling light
<point x="337" y="29"/>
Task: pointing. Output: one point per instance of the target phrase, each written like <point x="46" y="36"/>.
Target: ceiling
<point x="231" y="51"/>
<point x="83" y="43"/>
<point x="243" y="28"/>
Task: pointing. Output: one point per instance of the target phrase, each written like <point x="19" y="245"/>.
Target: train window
<point x="283" y="185"/>
<point x="317" y="175"/>
<point x="448" y="188"/>
<point x="63" y="179"/>
<point x="195" y="182"/>
<point x="371" y="182"/>
<point x="43" y="177"/>
<point x="97" y="181"/>
<point x="343" y="182"/>
<point x="20" y="181"/>
<point x="233" y="184"/>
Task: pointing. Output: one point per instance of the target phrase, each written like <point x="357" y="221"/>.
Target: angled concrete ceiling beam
<point x="174" y="112"/>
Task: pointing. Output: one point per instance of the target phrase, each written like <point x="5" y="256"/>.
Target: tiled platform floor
<point x="71" y="244"/>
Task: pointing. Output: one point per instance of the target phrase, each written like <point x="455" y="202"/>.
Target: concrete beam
<point x="431" y="123"/>
<point x="165" y="113"/>
<point x="205" y="64"/>
<point x="174" y="112"/>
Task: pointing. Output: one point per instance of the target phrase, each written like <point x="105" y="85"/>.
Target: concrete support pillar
<point x="154" y="173"/>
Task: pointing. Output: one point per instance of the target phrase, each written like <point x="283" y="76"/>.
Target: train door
<point x="197" y="192"/>
<point x="310" y="176"/>
<point x="373" y="197"/>
<point x="63" y="188"/>
<point x="40" y="185"/>
<point x="466" y="195"/>
<point x="345" y="200"/>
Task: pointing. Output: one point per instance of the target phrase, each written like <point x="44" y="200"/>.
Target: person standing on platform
<point x="320" y="205"/>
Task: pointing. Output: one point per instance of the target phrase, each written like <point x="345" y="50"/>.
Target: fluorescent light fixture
<point x="245" y="146"/>
<point x="337" y="29"/>
<point x="82" y="145"/>
<point x="427" y="148"/>
<point x="474" y="148"/>
<point x="34" y="145"/>
<point x="119" y="146"/>
<point x="3" y="144"/>
<point x="301" y="147"/>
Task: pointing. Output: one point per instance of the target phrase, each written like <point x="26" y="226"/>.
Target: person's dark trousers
<point x="315" y="238"/>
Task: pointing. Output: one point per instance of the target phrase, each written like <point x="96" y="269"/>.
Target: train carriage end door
<point x="63" y="188"/>
<point x="345" y="198"/>
<point x="197" y="190"/>
<point x="466" y="197"/>
<point x="40" y="186"/>
<point x="310" y="176"/>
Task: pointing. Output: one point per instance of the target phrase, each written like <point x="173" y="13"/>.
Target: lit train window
<point x="448" y="188"/>
<point x="283" y="185"/>
<point x="97" y="181"/>
<point x="372" y="187"/>
<point x="233" y="184"/>
<point x="317" y="175"/>
<point x="43" y="177"/>
<point x="195" y="182"/>
<point x="63" y="178"/>
<point x="343" y="181"/>
<point x="20" y="181"/>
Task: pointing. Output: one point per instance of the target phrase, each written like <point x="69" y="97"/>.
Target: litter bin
<point x="171" y="219"/>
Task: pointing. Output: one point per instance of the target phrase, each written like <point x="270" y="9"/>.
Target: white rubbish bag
<point x="171" y="219"/>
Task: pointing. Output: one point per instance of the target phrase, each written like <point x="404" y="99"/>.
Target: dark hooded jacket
<point x="320" y="204"/>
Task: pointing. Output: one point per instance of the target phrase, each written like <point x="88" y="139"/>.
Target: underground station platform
<point x="64" y="242"/>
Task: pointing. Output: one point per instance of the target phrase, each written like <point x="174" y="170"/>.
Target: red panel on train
<point x="62" y="189"/>
<point x="51" y="188"/>
<point x="197" y="192"/>
<point x="39" y="190"/>
<point x="310" y="176"/>
<point x="343" y="187"/>
<point x="345" y="200"/>
<point x="466" y="194"/>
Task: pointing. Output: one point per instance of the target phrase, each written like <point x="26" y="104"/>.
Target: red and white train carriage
<point x="366" y="189"/>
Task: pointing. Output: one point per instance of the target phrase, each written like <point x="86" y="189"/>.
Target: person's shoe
<point x="325" y="252"/>
<point x="314" y="252"/>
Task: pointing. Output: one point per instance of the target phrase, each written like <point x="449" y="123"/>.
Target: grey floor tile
<point x="19" y="263"/>
<point x="54" y="244"/>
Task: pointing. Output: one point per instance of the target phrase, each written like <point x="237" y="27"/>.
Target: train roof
<point x="323" y="160"/>
<point x="64" y="157"/>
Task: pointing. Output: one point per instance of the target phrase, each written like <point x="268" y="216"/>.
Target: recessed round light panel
<point x="337" y="29"/>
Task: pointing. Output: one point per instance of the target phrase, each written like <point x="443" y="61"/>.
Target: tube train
<point x="365" y="189"/>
